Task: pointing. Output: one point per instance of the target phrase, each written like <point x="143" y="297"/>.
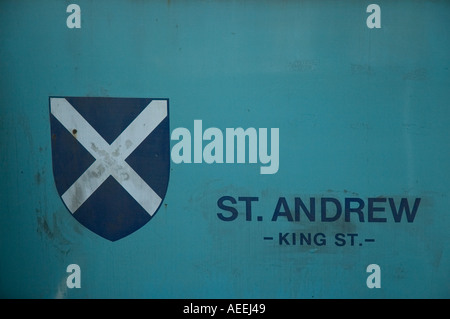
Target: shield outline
<point x="165" y="130"/>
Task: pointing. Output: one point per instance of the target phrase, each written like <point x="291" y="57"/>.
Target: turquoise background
<point x="362" y="113"/>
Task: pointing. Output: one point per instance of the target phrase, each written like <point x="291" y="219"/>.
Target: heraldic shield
<point x="111" y="160"/>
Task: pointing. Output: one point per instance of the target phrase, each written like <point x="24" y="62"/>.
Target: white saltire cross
<point x="110" y="158"/>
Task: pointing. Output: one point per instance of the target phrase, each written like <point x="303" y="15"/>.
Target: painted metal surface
<point x="308" y="140"/>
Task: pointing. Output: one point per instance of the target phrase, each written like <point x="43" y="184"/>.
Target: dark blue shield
<point x="111" y="160"/>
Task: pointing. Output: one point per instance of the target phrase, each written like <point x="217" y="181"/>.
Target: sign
<point x="225" y="150"/>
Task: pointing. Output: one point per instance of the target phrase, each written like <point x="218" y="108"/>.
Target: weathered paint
<point x="363" y="130"/>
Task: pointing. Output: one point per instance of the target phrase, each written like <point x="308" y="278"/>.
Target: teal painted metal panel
<point x="346" y="164"/>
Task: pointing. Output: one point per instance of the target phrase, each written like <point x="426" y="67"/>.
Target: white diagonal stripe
<point x="140" y="128"/>
<point x="137" y="188"/>
<point x="71" y="119"/>
<point x="110" y="158"/>
<point x="85" y="185"/>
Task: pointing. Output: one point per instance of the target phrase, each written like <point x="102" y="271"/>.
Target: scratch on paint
<point x="61" y="291"/>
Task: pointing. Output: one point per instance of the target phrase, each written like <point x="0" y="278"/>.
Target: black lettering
<point x="282" y="239"/>
<point x="248" y="206"/>
<point x="286" y="212"/>
<point x="311" y="213"/>
<point x="232" y="210"/>
<point x="323" y="207"/>
<point x="319" y="239"/>
<point x="404" y="206"/>
<point x="371" y="209"/>
<point x="358" y="210"/>
<point x="340" y="239"/>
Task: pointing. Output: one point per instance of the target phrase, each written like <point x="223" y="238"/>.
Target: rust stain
<point x="38" y="177"/>
<point x="52" y="232"/>
<point x="416" y="75"/>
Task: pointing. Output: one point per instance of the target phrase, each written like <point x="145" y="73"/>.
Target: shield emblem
<point x="111" y="160"/>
